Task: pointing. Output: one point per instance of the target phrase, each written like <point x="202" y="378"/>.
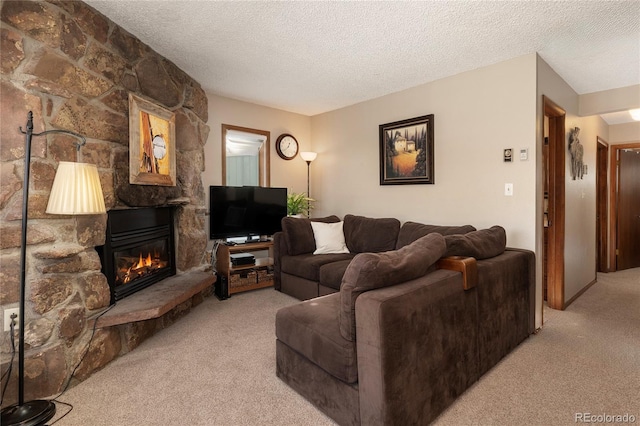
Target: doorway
<point x="625" y="204"/>
<point x="602" y="216"/>
<point x="554" y="204"/>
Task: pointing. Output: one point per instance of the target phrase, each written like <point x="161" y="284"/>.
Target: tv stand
<point x="236" y="279"/>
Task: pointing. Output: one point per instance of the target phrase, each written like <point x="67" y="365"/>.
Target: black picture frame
<point x="406" y="151"/>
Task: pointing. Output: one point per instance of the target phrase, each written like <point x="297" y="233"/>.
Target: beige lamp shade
<point x="76" y="190"/>
<point x="308" y="156"/>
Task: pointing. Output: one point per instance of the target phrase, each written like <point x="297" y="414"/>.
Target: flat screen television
<point x="245" y="211"/>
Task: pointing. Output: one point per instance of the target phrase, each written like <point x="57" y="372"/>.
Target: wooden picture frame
<point x="406" y="151"/>
<point x="152" y="143"/>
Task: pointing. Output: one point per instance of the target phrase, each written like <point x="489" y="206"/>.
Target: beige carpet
<point x="585" y="359"/>
<point x="216" y="366"/>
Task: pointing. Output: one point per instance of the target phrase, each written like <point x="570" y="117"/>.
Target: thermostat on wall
<point x="524" y="154"/>
<point x="508" y="155"/>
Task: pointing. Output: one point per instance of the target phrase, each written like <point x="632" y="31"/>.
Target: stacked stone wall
<point x="74" y="68"/>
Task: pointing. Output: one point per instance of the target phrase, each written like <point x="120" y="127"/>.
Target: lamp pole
<point x="308" y="193"/>
<point x="23" y="254"/>
<point x="35" y="412"/>
<point x="308" y="157"/>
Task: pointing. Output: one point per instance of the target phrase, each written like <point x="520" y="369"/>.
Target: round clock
<point x="287" y="146"/>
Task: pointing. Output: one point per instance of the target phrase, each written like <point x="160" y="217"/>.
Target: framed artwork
<point x="406" y="151"/>
<point x="152" y="143"/>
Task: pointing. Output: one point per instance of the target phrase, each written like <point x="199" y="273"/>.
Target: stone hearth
<point x="74" y="68"/>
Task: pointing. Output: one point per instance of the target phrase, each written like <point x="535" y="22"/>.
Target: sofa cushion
<point x="411" y="231"/>
<point x="311" y="328"/>
<point x="329" y="238"/>
<point x="308" y="265"/>
<point x="365" y="234"/>
<point x="369" y="271"/>
<point x="299" y="235"/>
<point x="481" y="244"/>
<point x="331" y="273"/>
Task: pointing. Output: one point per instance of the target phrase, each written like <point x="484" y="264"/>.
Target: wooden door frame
<point x="602" y="211"/>
<point x="555" y="256"/>
<point x="613" y="196"/>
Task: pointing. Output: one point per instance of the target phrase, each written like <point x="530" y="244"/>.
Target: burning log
<point x="138" y="267"/>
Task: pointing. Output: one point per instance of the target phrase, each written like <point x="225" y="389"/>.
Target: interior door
<point x="628" y="209"/>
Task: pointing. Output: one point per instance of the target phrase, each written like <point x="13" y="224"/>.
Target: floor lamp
<point x="308" y="157"/>
<point x="76" y="190"/>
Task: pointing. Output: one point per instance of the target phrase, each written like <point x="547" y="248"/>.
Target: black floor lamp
<point x="76" y="190"/>
<point x="308" y="157"/>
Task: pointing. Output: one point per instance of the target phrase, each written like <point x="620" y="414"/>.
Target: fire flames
<point x="138" y="267"/>
<point x="142" y="263"/>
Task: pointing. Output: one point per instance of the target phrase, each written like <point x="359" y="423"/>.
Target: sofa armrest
<point x="280" y="249"/>
<point x="467" y="265"/>
<point x="416" y="348"/>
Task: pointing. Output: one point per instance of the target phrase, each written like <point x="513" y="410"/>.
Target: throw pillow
<point x="329" y="238"/>
<point x="481" y="244"/>
<point x="368" y="234"/>
<point x="299" y="234"/>
<point x="369" y="271"/>
<point x="411" y="231"/>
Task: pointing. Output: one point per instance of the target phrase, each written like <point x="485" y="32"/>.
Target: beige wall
<point x="613" y="100"/>
<point x="580" y="194"/>
<point x="476" y="114"/>
<point x="290" y="174"/>
<point x="470" y="134"/>
<point x="624" y="133"/>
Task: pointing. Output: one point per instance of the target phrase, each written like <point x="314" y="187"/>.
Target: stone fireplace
<point x="74" y="68"/>
<point x="139" y="249"/>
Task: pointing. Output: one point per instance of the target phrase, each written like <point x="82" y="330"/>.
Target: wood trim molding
<point x="604" y="219"/>
<point x="555" y="255"/>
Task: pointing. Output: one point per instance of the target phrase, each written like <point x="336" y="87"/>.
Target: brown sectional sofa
<point x="303" y="275"/>
<point x="399" y="337"/>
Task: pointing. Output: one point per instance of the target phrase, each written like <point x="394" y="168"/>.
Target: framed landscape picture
<point x="406" y="151"/>
<point x="152" y="150"/>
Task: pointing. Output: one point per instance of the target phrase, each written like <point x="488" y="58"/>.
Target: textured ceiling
<point x="313" y="57"/>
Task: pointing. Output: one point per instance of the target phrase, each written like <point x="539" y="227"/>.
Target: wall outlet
<point x="7" y="318"/>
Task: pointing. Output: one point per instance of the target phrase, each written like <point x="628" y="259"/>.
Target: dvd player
<point x="242" y="259"/>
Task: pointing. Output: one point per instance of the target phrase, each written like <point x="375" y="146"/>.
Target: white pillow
<point x="329" y="238"/>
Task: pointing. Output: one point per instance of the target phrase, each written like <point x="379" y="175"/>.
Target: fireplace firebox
<point x="139" y="249"/>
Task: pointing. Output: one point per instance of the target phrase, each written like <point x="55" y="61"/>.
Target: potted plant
<point x="298" y="204"/>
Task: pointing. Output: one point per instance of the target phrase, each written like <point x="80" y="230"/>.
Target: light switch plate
<point x="508" y="189"/>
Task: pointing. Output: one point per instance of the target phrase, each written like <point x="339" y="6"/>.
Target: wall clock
<point x="287" y="146"/>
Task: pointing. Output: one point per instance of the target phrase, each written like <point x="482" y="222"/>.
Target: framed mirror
<point x="245" y="156"/>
